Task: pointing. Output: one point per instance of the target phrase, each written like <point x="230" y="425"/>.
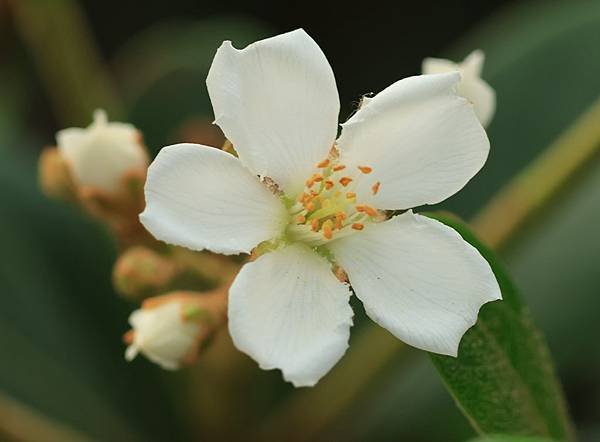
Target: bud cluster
<point x="102" y="169"/>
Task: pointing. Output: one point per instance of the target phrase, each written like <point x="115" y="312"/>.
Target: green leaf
<point x="507" y="438"/>
<point x="503" y="379"/>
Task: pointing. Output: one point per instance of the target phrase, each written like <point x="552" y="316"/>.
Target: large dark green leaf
<point x="503" y="379"/>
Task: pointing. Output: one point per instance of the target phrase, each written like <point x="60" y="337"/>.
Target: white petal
<point x="423" y="142"/>
<point x="288" y="311"/>
<point x="203" y="198"/>
<point x="419" y="279"/>
<point x="100" y="155"/>
<point x="277" y="102"/>
<point x="472" y="87"/>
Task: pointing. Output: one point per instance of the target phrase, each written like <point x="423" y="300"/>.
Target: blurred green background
<point x="62" y="371"/>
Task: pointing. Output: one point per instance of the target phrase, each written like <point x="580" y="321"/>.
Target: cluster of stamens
<point x="328" y="203"/>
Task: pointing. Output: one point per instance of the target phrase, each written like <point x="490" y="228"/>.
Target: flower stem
<point x="312" y="409"/>
<point x="532" y="189"/>
<point x="21" y="422"/>
<point x="65" y="53"/>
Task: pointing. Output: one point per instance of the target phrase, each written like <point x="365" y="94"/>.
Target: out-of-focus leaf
<point x="503" y="379"/>
<point x="541" y="58"/>
<point x="65" y="54"/>
<point x="507" y="438"/>
<point x="61" y="323"/>
<point x="556" y="264"/>
<point x="162" y="72"/>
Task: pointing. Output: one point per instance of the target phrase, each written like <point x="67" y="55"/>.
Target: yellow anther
<point x="317" y="177"/>
<point x="310" y="182"/>
<point x="328" y="184"/>
<point x="358" y="226"/>
<point x="366" y="209"/>
<point x="327" y="229"/>
<point x="339" y="220"/>
<point x="314" y="225"/>
<point x="351" y="195"/>
<point x="344" y="181"/>
<point x="323" y="163"/>
<point x="301" y="219"/>
<point x="375" y="187"/>
<point x="338" y="167"/>
<point x="310" y="206"/>
<point x="365" y="169"/>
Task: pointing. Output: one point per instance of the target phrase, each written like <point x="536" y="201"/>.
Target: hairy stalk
<point x="65" y="53"/>
<point x="498" y="222"/>
<point x="208" y="266"/>
<point x="535" y="186"/>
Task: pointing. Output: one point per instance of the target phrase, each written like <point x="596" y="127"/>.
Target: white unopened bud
<point x="103" y="153"/>
<point x="163" y="334"/>
<point x="472" y="87"/>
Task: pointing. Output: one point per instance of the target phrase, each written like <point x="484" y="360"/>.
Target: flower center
<point x="327" y="208"/>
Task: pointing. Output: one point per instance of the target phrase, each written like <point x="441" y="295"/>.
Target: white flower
<point x="472" y="87"/>
<point x="414" y="143"/>
<point x="100" y="155"/>
<point x="163" y="335"/>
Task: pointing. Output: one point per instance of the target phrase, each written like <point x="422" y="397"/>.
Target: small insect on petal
<point x="365" y="169"/>
<point x="344" y="181"/>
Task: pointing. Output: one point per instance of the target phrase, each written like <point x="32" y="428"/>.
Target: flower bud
<point x="170" y="329"/>
<point x="101" y="155"/>
<point x="141" y="272"/>
<point x="55" y="176"/>
<point x="163" y="335"/>
<point x="472" y="86"/>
